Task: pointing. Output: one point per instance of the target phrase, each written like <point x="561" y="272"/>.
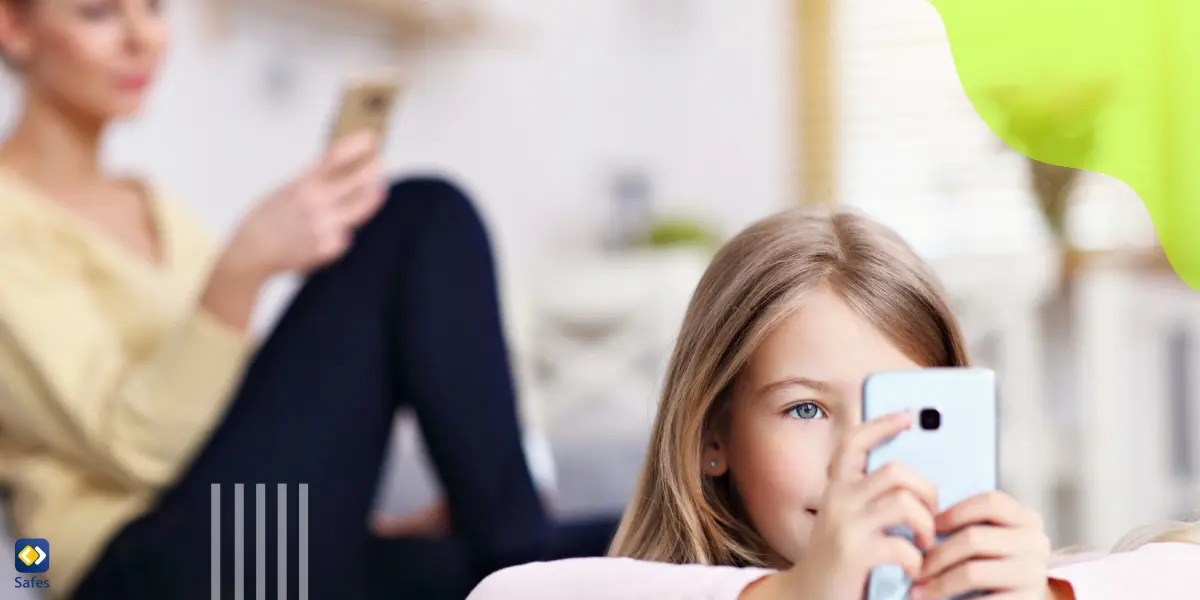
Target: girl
<point x="128" y="387"/>
<point x="758" y="450"/>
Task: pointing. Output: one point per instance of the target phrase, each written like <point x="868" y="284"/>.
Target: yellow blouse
<point x="111" y="377"/>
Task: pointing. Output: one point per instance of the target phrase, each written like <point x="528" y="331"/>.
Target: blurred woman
<point x="128" y="387"/>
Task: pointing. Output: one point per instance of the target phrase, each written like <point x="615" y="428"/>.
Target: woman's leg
<point x="452" y="366"/>
<point x="442" y="568"/>
<point x="316" y="408"/>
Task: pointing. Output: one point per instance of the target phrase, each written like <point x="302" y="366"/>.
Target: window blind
<point x="911" y="150"/>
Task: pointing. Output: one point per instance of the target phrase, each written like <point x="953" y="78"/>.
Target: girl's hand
<point x="850" y="536"/>
<point x="995" y="545"/>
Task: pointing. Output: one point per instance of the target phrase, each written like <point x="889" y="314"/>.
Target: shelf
<point x="1150" y="259"/>
<point x="411" y="21"/>
<point x="414" y="19"/>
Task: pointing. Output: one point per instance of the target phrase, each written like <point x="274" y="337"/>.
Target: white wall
<point x="693" y="89"/>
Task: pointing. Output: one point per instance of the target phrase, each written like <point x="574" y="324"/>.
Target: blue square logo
<point x="32" y="555"/>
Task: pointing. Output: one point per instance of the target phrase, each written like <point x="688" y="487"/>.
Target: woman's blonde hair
<point x="756" y="280"/>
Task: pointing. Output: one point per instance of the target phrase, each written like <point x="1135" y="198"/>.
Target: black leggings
<point x="409" y="317"/>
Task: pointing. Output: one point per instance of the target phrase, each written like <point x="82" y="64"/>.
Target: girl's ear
<point x="15" y="44"/>
<point x="714" y="462"/>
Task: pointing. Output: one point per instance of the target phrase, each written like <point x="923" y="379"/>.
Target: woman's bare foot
<point x="430" y="521"/>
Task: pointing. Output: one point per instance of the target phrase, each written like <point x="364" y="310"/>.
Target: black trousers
<point x="409" y="317"/>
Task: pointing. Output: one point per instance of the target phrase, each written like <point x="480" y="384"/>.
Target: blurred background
<point x="612" y="144"/>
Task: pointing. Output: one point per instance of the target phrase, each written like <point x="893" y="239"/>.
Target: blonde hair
<point x="1170" y="531"/>
<point x="1157" y="533"/>
<point x="756" y="280"/>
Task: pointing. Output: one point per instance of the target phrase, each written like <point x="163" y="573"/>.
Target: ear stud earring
<point x="713" y="464"/>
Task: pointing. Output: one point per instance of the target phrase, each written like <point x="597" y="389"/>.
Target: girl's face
<point x="801" y="389"/>
<point x="95" y="58"/>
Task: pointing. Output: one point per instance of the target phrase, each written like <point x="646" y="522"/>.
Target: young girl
<point x="758" y="451"/>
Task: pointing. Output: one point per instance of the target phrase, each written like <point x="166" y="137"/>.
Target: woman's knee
<point x="431" y="195"/>
<point x="432" y="205"/>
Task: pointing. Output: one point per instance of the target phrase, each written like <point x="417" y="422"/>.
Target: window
<point x="913" y="152"/>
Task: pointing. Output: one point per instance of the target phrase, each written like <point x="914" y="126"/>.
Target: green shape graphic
<point x="1111" y="86"/>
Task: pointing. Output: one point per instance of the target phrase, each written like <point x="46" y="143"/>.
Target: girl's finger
<point x="998" y="575"/>
<point x="894" y="476"/>
<point x="850" y="460"/>
<point x="992" y="508"/>
<point x="901" y="508"/>
<point x="1016" y="596"/>
<point x="889" y="550"/>
<point x="976" y="542"/>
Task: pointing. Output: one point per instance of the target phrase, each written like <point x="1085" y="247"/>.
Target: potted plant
<point x="677" y="232"/>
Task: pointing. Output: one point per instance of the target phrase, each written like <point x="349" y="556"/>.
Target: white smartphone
<point x="953" y="442"/>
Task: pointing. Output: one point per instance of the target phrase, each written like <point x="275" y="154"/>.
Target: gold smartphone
<point x="367" y="105"/>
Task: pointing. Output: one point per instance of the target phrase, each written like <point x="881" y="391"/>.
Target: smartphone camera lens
<point x="376" y="102"/>
<point x="930" y="419"/>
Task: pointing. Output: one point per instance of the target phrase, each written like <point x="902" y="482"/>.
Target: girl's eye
<point x="806" y="411"/>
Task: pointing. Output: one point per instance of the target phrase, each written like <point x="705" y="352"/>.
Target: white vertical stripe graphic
<point x="281" y="545"/>
<point x="239" y="541"/>
<point x="215" y="533"/>
<point x="302" y="542"/>
<point x="260" y="541"/>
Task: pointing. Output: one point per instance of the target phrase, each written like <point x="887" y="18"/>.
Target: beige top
<point x="110" y="376"/>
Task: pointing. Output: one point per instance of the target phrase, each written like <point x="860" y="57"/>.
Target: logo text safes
<point x="31" y="556"/>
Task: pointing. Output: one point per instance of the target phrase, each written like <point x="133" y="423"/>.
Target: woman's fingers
<point x="353" y="196"/>
<point x="363" y="201"/>
<point x="347" y="153"/>
<point x="343" y="185"/>
<point x="850" y="460"/>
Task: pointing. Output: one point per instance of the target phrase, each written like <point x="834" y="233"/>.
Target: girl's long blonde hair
<point x="678" y="514"/>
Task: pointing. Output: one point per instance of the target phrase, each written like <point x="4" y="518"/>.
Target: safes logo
<point x="31" y="556"/>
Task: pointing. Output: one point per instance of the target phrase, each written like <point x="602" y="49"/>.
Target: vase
<point x="1052" y="189"/>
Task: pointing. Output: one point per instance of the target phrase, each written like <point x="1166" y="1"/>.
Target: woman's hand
<point x="850" y="536"/>
<point x="995" y="544"/>
<point x="310" y="222"/>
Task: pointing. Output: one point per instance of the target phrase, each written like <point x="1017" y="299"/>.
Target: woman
<point x="127" y="380"/>
<point x="756" y="467"/>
